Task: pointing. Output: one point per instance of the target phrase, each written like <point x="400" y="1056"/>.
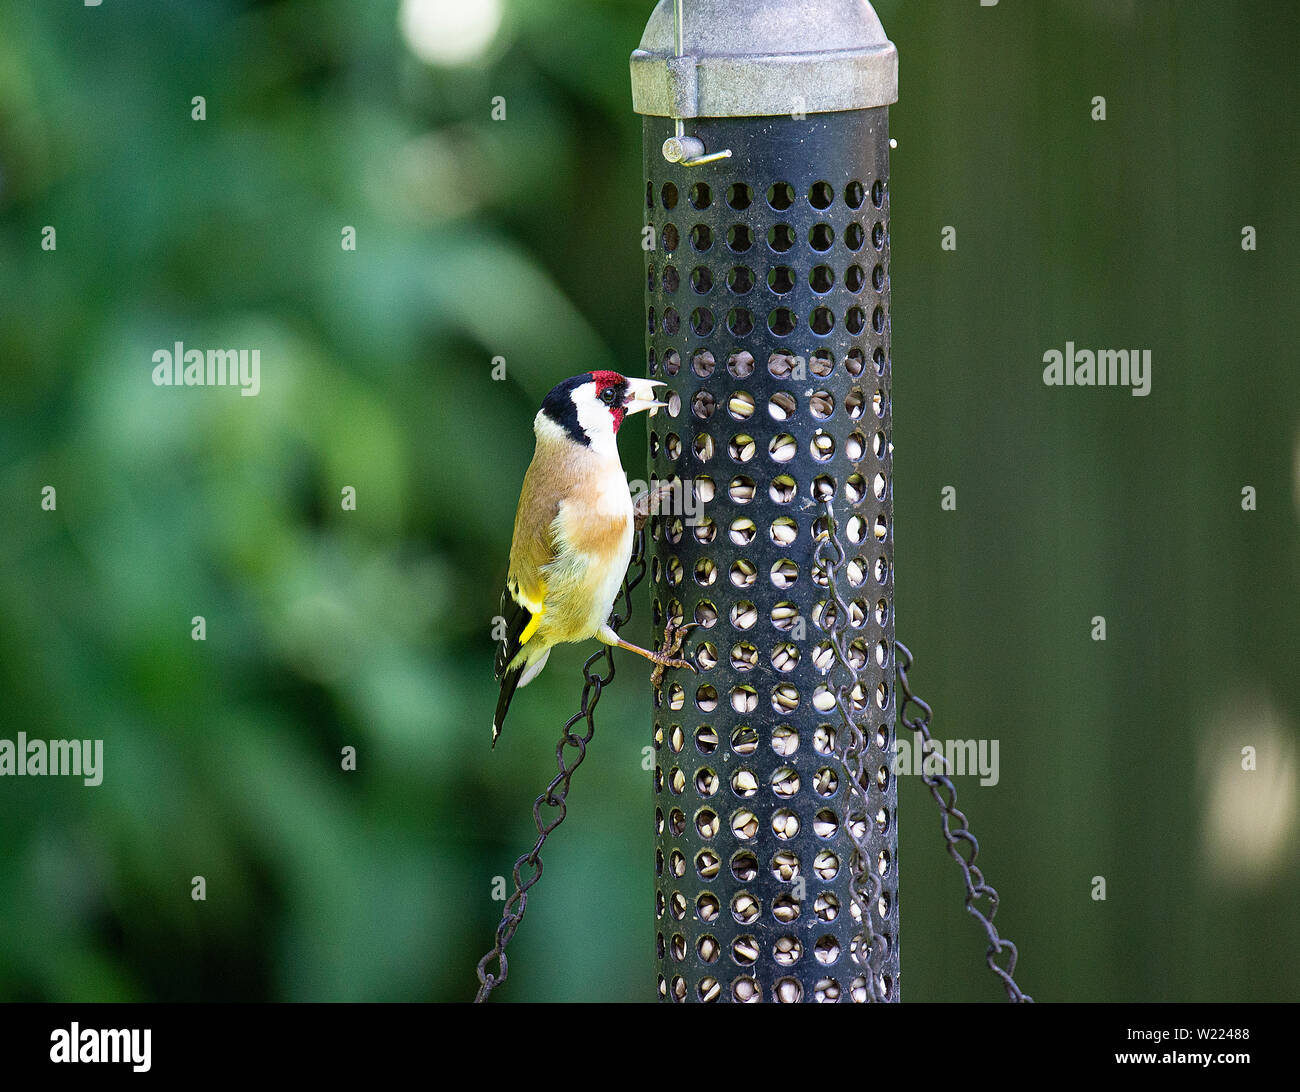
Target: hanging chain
<point x="962" y="846"/>
<point x="961" y="843"/>
<point x="528" y="869"/>
<point x="851" y="752"/>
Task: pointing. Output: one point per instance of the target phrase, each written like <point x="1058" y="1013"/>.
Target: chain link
<point x="962" y="846"/>
<point x="528" y="868"/>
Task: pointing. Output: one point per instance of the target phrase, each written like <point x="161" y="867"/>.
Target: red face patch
<point x="612" y="381"/>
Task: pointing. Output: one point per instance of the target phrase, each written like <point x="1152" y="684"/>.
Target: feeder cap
<point x="764" y="58"/>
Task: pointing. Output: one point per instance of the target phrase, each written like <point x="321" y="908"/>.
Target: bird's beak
<point x="641" y="396"/>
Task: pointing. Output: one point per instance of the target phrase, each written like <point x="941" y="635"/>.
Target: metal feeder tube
<point x="766" y="167"/>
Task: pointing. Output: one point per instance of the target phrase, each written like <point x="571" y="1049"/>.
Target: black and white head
<point x="589" y="408"/>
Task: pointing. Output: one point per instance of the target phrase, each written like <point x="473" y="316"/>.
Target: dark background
<point x="520" y="238"/>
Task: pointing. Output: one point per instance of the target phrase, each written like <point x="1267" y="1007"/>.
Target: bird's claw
<point x="648" y="503"/>
<point x="674" y="634"/>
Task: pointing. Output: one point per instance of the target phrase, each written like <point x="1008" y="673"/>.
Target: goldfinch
<point x="573" y="530"/>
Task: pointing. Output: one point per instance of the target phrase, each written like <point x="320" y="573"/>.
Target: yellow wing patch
<point x="533" y="622"/>
<point x="534" y="601"/>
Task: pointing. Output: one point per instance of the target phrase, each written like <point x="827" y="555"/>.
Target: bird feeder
<point x="766" y="204"/>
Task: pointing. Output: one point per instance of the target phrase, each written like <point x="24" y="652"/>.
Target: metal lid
<point x="763" y="58"/>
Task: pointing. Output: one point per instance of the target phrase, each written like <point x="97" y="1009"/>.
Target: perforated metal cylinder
<point x="767" y="316"/>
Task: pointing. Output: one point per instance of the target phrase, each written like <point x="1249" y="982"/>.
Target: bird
<point x="573" y="531"/>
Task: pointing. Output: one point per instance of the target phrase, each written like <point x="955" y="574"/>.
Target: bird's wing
<point x="522" y="612"/>
<point x="523" y="602"/>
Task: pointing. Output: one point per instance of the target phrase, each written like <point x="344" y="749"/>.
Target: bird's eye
<point x="607" y="396"/>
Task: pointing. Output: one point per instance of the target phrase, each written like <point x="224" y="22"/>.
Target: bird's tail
<point x="509" y="681"/>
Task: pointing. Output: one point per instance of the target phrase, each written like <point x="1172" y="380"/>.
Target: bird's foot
<point x="648" y="503"/>
<point x="667" y="654"/>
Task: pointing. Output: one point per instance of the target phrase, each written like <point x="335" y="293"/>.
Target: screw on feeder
<point x="689" y="151"/>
